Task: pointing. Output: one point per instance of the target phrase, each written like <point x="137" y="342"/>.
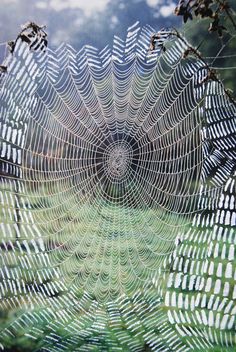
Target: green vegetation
<point x="218" y="48"/>
<point x="80" y="246"/>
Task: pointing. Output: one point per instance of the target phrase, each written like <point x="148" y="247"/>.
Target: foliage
<point x="212" y="30"/>
<point x="215" y="10"/>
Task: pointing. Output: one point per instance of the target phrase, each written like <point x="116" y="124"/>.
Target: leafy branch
<point x="211" y="9"/>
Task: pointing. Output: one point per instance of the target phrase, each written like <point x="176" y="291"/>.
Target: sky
<point x="94" y="5"/>
<point x="80" y="22"/>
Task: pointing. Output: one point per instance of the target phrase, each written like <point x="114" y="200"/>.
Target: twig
<point x="224" y="6"/>
<point x="211" y="72"/>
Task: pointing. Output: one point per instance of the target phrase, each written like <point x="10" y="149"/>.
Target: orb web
<point x="113" y="165"/>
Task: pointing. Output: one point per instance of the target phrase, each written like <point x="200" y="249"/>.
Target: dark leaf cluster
<point x="211" y="9"/>
<point x="158" y="39"/>
<point x="30" y="33"/>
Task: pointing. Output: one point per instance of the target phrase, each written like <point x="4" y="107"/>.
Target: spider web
<point x="117" y="193"/>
